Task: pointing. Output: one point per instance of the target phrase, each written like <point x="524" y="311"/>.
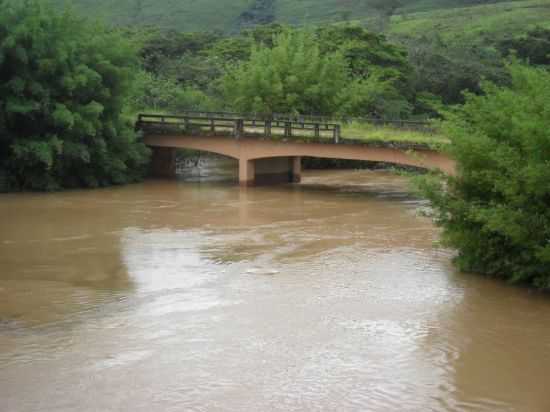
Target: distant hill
<point x="475" y="23"/>
<point x="463" y="18"/>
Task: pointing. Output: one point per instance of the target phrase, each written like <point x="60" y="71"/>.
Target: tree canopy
<point x="63" y="84"/>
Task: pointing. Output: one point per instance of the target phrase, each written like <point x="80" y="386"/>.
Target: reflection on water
<point x="323" y="296"/>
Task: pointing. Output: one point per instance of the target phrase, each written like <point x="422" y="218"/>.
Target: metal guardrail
<point x="237" y="126"/>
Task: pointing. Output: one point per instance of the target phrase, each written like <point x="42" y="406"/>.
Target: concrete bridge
<point x="269" y="150"/>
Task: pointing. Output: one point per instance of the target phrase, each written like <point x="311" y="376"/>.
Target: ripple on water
<point x="172" y="304"/>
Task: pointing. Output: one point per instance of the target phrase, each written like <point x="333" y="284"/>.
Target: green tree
<point x="63" y="84"/>
<point x="365" y="51"/>
<point x="386" y="10"/>
<point x="496" y="210"/>
<point x="446" y="70"/>
<point x="533" y="47"/>
<point x="381" y="69"/>
<point x="156" y="93"/>
<point x="374" y="97"/>
<point x="291" y="77"/>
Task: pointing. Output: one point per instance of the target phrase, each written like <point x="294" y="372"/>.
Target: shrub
<point x="291" y="77"/>
<point x="496" y="210"/>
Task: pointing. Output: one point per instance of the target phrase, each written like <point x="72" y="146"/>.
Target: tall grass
<point x="369" y="132"/>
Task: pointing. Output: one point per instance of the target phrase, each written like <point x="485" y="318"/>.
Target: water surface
<point x="325" y="296"/>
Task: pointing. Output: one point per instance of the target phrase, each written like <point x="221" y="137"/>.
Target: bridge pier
<point x="163" y="162"/>
<point x="247" y="172"/>
<point x="270" y="171"/>
<point x="296" y="169"/>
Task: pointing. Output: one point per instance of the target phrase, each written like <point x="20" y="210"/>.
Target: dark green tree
<point x="446" y="70"/>
<point x="496" y="210"/>
<point x="382" y="68"/>
<point x="63" y="84"/>
<point x="533" y="47"/>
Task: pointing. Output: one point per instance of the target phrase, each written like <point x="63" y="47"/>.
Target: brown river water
<point x="324" y="296"/>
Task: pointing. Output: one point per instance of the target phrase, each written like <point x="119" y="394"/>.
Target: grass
<point x="475" y="23"/>
<point x="182" y="15"/>
<point x="356" y="131"/>
<point x="369" y="132"/>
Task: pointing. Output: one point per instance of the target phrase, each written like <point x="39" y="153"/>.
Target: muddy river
<point x="201" y="296"/>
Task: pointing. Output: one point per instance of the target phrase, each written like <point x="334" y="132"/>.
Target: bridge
<point x="269" y="150"/>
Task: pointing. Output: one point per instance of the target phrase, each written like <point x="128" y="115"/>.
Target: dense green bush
<point x="299" y="74"/>
<point x="444" y="70"/>
<point x="164" y="94"/>
<point x="533" y="46"/>
<point x="63" y="84"/>
<point x="496" y="210"/>
<point x="291" y="77"/>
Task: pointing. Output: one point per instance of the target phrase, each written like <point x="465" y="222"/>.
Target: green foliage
<point x="345" y="70"/>
<point x="231" y="15"/>
<point x="445" y="70"/>
<point x="472" y="23"/>
<point x="357" y="130"/>
<point x="168" y="53"/>
<point x="374" y="97"/>
<point x="380" y="70"/>
<point x="364" y="51"/>
<point x="161" y="94"/>
<point x="496" y="210"/>
<point x="533" y="47"/>
<point x="291" y="77"/>
<point x="63" y="84"/>
<point x="258" y="13"/>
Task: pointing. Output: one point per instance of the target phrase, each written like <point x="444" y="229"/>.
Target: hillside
<point x="396" y="16"/>
<point x="475" y="23"/>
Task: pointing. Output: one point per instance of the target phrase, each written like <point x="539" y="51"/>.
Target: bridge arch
<point x="256" y="155"/>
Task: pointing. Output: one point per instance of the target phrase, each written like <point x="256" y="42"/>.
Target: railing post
<point x="239" y="128"/>
<point x="212" y="126"/>
<point x="288" y="129"/>
<point x="317" y="132"/>
<point x="336" y="133"/>
<point x="267" y="128"/>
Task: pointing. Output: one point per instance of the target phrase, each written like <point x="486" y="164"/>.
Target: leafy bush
<point x="374" y="97"/>
<point x="533" y="46"/>
<point x="496" y="210"/>
<point x="151" y="92"/>
<point x="291" y="77"/>
<point x="63" y="84"/>
<point x="297" y="75"/>
<point x="445" y="69"/>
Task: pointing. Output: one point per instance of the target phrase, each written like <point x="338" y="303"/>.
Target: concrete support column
<point x="247" y="172"/>
<point x="296" y="169"/>
<point x="163" y="162"/>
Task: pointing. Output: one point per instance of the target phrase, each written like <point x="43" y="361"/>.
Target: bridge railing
<point x="217" y="123"/>
<point x="417" y="125"/>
